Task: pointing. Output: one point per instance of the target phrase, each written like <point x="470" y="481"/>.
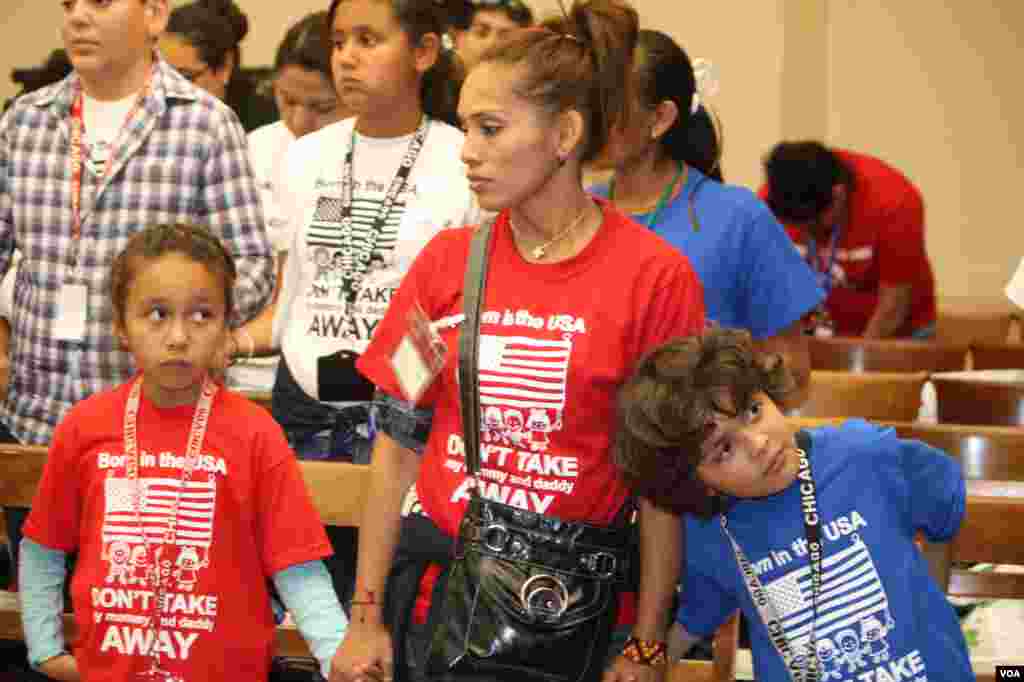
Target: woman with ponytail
<point x="667" y="176"/>
<point x="576" y="294"/>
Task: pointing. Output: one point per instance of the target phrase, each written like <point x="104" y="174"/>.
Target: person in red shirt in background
<point x="859" y="222"/>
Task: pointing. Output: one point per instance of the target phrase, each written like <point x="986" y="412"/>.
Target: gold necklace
<point x="538" y="252"/>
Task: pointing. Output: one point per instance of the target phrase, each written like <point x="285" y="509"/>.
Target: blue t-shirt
<point x="752" y="274"/>
<point x="880" y="614"/>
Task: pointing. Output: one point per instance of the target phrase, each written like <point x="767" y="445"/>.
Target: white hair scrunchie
<point x="706" y="80"/>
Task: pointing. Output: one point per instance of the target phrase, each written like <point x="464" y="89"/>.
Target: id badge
<point x="419" y="357"/>
<point x="72" y="303"/>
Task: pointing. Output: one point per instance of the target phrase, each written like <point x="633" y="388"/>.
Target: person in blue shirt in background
<point x="667" y="177"/>
<point x="811" y="533"/>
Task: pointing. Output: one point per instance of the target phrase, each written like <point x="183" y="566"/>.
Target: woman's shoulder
<point x="730" y="199"/>
<point x="271" y="134"/>
<point x="443" y="148"/>
<point x="452" y="242"/>
<point x="647" y="247"/>
<point x="445" y="133"/>
<point x="325" y="142"/>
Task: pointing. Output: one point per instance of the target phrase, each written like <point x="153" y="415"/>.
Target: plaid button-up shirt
<point x="182" y="159"/>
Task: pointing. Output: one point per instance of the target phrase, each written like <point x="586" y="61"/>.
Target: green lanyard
<point x="666" y="194"/>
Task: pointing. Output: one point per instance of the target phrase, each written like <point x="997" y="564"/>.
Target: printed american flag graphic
<point x="194" y="524"/>
<point x="517" y="371"/>
<point x="851" y="592"/>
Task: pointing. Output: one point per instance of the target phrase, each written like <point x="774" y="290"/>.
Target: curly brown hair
<point x="667" y="406"/>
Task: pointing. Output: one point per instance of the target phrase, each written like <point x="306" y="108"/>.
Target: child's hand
<point x="364" y="655"/>
<point x="63" y="667"/>
<point x="625" y="670"/>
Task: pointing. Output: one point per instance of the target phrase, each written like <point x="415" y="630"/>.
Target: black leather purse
<point x="528" y="597"/>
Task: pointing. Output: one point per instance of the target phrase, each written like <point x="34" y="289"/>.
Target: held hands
<point x="624" y="670"/>
<point x="63" y="667"/>
<point x="364" y="655"/>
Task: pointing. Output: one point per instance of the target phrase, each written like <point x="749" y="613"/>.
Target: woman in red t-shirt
<point x="576" y="293"/>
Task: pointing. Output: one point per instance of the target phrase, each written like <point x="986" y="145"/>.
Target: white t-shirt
<point x="7" y="287"/>
<point x="268" y="147"/>
<point x="1015" y="289"/>
<point x="268" y="150"/>
<point x="311" y="319"/>
<point x="103" y="124"/>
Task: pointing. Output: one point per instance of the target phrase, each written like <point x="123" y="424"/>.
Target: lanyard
<point x="158" y="578"/>
<point x="766" y="608"/>
<point x="78" y="153"/>
<point x="355" y="262"/>
<point x="824" y="276"/>
<point x="682" y="171"/>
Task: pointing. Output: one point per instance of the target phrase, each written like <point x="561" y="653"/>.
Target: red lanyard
<point x="157" y="578"/>
<point x="78" y="153"/>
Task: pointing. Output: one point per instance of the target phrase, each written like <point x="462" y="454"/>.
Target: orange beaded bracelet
<point x="646" y="651"/>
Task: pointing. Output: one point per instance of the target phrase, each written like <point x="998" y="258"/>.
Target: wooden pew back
<point x="855" y="354"/>
<point x="997" y="356"/>
<point x="871" y="395"/>
<point x="978" y="399"/>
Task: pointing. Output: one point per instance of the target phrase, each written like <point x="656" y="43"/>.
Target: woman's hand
<point x="624" y="670"/>
<point x="364" y="655"/>
<point x="63" y="667"/>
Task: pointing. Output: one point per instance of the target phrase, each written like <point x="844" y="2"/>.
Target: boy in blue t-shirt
<point x="809" y="532"/>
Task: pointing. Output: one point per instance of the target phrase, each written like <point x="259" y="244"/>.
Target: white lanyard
<point x="196" y="433"/>
<point x="356" y="262"/>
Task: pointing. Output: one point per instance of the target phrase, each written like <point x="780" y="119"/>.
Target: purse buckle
<point x="495" y="537"/>
<point x="544" y="597"/>
<point x="601" y="564"/>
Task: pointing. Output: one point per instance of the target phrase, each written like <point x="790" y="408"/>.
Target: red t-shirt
<point x="882" y="244"/>
<point x="244" y="515"/>
<point x="556" y="343"/>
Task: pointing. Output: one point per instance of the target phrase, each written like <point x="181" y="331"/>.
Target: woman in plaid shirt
<point x="122" y="143"/>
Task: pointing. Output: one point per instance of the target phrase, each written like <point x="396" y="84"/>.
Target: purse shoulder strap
<point x="469" y="343"/>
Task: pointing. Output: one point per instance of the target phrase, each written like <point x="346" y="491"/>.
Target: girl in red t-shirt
<point x="178" y="516"/>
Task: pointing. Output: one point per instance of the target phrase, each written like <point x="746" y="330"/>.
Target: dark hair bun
<point x="230" y="11"/>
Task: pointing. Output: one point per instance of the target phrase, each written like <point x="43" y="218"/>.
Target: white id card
<point x="419" y="357"/>
<point x="72" y="305"/>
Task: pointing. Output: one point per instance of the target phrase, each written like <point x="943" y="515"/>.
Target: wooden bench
<point x="990" y="397"/>
<point x="855" y="354"/>
<point x="997" y="356"/>
<point x="339" y="494"/>
<point x="871" y="395"/>
<point x="992" y="532"/>
<point x="968" y="321"/>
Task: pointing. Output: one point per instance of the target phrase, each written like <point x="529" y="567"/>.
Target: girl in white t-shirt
<point x="307" y="101"/>
<point x="362" y="196"/>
